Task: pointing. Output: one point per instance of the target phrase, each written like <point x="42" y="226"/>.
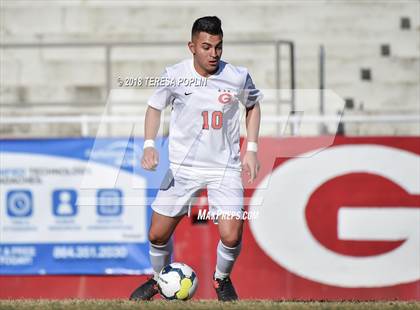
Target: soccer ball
<point x="177" y="281"/>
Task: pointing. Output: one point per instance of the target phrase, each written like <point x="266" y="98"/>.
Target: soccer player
<point x="203" y="151"/>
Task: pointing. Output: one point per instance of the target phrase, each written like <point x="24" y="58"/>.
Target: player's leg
<point x="226" y="200"/>
<point x="160" y="232"/>
<point x="228" y="250"/>
<point x="169" y="207"/>
<point x="160" y="251"/>
<point x="229" y="246"/>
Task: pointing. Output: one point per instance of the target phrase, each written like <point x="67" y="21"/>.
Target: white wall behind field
<point x="351" y="31"/>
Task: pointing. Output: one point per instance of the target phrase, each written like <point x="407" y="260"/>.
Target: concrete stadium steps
<point x="352" y="33"/>
<point x="129" y="17"/>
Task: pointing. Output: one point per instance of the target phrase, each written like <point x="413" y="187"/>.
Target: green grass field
<point x="207" y="304"/>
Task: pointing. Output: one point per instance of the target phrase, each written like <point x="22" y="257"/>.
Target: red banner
<point x="337" y="221"/>
<point x="334" y="219"/>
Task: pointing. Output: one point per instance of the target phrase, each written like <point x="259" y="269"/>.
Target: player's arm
<point x="150" y="157"/>
<point x="250" y="161"/>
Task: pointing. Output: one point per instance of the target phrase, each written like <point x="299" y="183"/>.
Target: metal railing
<point x="109" y="46"/>
<point x="294" y="120"/>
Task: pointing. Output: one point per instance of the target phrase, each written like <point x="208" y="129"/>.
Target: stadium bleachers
<point x="72" y="80"/>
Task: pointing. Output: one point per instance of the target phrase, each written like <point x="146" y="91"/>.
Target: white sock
<point x="226" y="257"/>
<point x="160" y="256"/>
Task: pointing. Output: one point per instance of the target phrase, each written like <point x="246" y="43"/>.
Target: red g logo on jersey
<point x="225" y="98"/>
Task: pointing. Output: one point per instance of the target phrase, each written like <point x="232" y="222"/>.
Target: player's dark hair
<point x="208" y="24"/>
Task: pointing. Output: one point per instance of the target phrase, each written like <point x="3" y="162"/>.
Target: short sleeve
<point x="161" y="97"/>
<point x="250" y="94"/>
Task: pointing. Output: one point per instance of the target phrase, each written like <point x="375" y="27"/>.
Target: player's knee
<point x="157" y="239"/>
<point x="231" y="240"/>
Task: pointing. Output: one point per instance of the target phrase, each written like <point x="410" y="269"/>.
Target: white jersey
<point x="205" y="126"/>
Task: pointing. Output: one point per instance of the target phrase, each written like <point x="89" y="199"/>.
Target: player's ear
<point x="191" y="46"/>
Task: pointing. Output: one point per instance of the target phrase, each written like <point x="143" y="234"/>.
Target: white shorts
<point x="181" y="185"/>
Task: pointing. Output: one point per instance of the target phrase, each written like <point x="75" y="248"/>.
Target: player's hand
<point x="250" y="165"/>
<point x="150" y="158"/>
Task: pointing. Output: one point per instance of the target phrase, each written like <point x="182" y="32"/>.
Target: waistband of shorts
<point x="211" y="170"/>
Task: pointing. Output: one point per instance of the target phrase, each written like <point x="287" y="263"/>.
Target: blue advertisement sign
<point x="76" y="206"/>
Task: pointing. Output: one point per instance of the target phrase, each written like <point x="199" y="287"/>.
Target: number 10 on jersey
<point x="216" y="119"/>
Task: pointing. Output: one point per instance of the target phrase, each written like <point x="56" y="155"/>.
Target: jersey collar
<point x="221" y="66"/>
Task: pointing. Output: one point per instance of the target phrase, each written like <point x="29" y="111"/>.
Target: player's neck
<point x="203" y="72"/>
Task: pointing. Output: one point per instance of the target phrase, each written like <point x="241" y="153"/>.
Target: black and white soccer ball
<point x="177" y="281"/>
